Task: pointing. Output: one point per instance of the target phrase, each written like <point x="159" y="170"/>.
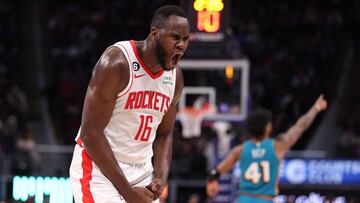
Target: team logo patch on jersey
<point x="167" y="80"/>
<point x="258" y="152"/>
<point x="135" y="66"/>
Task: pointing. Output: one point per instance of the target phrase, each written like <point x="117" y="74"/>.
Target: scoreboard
<point x="208" y="24"/>
<point x="208" y="15"/>
<point x="208" y="20"/>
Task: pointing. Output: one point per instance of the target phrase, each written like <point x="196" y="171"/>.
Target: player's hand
<point x="156" y="186"/>
<point x="164" y="194"/>
<point x="212" y="188"/>
<point x="140" y="194"/>
<point x="320" y="104"/>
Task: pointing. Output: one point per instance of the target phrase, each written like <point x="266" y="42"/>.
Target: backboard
<point x="219" y="84"/>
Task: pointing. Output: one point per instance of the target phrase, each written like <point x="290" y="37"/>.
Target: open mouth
<point x="175" y="59"/>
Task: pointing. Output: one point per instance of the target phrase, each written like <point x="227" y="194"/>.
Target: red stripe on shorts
<point x="86" y="165"/>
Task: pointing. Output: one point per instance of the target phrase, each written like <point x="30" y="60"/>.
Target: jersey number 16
<point x="144" y="130"/>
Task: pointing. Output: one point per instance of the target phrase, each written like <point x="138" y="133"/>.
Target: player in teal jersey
<point x="260" y="156"/>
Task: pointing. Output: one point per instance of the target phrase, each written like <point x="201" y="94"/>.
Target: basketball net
<point x="192" y="117"/>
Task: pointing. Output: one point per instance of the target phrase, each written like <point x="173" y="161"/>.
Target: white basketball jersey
<point x="139" y="109"/>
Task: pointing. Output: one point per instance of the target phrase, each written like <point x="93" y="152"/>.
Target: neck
<point x="258" y="139"/>
<point x="147" y="54"/>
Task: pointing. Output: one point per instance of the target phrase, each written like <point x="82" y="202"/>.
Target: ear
<point x="154" y="33"/>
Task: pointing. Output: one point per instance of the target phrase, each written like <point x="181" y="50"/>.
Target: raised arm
<point x="228" y="163"/>
<point x="212" y="186"/>
<point x="109" y="77"/>
<point x="291" y="136"/>
<point x="163" y="144"/>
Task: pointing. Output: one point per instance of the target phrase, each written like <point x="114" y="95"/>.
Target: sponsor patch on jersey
<point x="258" y="152"/>
<point x="167" y="80"/>
<point x="135" y="66"/>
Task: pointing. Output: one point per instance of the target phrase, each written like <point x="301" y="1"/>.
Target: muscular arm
<point x="290" y="137"/>
<point x="228" y="163"/>
<point x="108" y="79"/>
<point x="164" y="137"/>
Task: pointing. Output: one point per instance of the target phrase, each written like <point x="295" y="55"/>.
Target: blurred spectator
<point x="13" y="100"/>
<point x="349" y="145"/>
<point x="194" y="198"/>
<point x="26" y="143"/>
<point x="25" y="157"/>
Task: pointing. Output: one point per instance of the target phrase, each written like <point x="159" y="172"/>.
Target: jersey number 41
<point x="253" y="173"/>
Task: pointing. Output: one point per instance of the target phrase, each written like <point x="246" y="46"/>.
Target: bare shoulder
<point x="113" y="59"/>
<point x="238" y="149"/>
<point x="235" y="153"/>
<point x="111" y="71"/>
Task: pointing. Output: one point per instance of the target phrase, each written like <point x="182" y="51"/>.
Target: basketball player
<point x="129" y="105"/>
<point x="260" y="156"/>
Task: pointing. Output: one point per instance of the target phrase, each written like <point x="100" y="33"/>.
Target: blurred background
<point x="243" y="55"/>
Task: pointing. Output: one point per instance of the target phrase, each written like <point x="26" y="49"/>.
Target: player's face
<point x="161" y="54"/>
<point x="172" y="42"/>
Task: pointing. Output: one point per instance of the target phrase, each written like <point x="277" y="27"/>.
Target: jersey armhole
<point x="130" y="82"/>
<point x="244" y="144"/>
<point x="173" y="72"/>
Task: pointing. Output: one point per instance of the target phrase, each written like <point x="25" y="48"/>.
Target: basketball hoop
<point x="192" y="117"/>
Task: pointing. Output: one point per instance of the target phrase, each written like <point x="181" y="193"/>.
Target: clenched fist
<point x="156" y="186"/>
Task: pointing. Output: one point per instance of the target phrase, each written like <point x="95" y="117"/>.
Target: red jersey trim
<point x="79" y="141"/>
<point x="122" y="93"/>
<point x="147" y="70"/>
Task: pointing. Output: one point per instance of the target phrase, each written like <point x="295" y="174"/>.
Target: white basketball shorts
<point x="90" y="185"/>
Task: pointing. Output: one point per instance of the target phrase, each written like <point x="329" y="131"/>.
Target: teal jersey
<point x="259" y="167"/>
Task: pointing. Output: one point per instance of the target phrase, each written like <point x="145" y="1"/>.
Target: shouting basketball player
<point x="260" y="156"/>
<point x="129" y="113"/>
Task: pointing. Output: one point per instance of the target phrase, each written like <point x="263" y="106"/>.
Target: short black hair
<point x="162" y="14"/>
<point x="256" y="122"/>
